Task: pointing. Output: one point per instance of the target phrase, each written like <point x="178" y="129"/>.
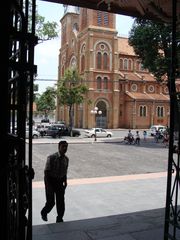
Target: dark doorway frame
<point x="17" y="74"/>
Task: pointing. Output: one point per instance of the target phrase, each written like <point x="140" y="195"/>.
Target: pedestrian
<point x="137" y="138"/>
<point x="145" y="135"/>
<point x="55" y="179"/>
<point x="165" y="139"/>
<point x="157" y="136"/>
<point x="130" y="137"/>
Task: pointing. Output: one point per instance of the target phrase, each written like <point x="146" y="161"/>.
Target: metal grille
<point x="172" y="216"/>
<point x="18" y="173"/>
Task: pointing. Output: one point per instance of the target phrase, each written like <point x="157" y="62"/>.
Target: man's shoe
<point x="44" y="216"/>
<point x="59" y="220"/>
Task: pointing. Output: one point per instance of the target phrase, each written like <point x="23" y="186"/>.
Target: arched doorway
<point x="102" y="119"/>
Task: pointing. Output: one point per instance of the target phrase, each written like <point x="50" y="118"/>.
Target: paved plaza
<point x="115" y="191"/>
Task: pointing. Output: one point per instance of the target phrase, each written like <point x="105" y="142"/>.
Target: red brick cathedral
<point x="126" y="94"/>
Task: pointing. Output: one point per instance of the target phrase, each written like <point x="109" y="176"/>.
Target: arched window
<point x="142" y="111"/>
<point x="73" y="62"/>
<point x="105" y="83"/>
<point x="120" y="87"/>
<point x="130" y="64"/>
<point x="75" y="27"/>
<point x="137" y="65"/>
<point x="99" y="60"/>
<point x="121" y="64"/>
<point x="62" y="71"/>
<point x="103" y="57"/>
<point x="99" y="83"/>
<point x="99" y="18"/>
<point x="160" y="111"/>
<point x="82" y="57"/>
<point x="105" y="61"/>
<point x="102" y="18"/>
<point x="106" y="19"/>
<point x="82" y="63"/>
<point x="63" y="64"/>
<point x="125" y="64"/>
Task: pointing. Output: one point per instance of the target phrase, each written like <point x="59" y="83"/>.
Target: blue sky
<point x="46" y="54"/>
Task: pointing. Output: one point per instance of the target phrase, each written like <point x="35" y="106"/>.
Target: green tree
<point x="152" y="43"/>
<point x="44" y="30"/>
<point x="71" y="91"/>
<point x="46" y="101"/>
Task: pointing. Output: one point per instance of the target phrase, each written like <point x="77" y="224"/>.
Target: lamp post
<point x="95" y="111"/>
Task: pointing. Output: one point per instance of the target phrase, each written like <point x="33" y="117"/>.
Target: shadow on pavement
<point x="148" y="144"/>
<point x="142" y="225"/>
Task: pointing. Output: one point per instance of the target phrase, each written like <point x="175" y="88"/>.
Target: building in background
<point x="127" y="95"/>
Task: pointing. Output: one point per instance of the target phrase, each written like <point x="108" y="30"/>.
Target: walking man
<point x="55" y="179"/>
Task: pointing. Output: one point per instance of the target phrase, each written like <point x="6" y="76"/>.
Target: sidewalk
<point x="127" y="207"/>
<point x="74" y="140"/>
<point x="84" y="140"/>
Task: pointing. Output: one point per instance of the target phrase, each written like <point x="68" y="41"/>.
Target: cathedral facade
<point x="124" y="94"/>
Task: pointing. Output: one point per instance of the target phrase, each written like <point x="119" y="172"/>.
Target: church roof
<point x="137" y="76"/>
<point x="146" y="96"/>
<point x="124" y="47"/>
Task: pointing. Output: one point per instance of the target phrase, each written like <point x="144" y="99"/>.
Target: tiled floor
<point x="114" y="208"/>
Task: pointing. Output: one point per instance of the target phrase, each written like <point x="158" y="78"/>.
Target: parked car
<point x="100" y="132"/>
<point x="42" y="128"/>
<point x="58" y="130"/>
<point x="154" y="128"/>
<point x="35" y="133"/>
<point x="45" y="120"/>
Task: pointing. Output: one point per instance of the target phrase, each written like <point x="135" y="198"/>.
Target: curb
<point x="79" y="141"/>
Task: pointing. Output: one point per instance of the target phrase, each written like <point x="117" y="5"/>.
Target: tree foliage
<point x="44" y="30"/>
<point x="46" y="101"/>
<point x="152" y="43"/>
<point x="71" y="91"/>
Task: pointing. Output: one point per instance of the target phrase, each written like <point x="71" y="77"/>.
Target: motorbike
<point x="129" y="139"/>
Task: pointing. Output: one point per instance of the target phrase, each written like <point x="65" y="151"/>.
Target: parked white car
<point x="154" y="128"/>
<point x="100" y="132"/>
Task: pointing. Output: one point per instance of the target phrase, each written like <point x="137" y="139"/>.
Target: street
<point x="100" y="159"/>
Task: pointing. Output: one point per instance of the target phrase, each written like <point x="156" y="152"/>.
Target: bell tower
<point x="98" y="62"/>
<point x="89" y="17"/>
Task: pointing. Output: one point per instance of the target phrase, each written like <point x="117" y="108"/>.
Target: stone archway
<point x="102" y="119"/>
